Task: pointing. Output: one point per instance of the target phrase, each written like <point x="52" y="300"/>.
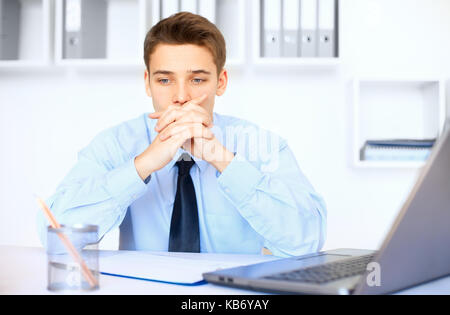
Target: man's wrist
<point x="223" y="160"/>
<point x="143" y="169"/>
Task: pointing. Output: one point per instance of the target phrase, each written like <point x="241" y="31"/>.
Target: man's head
<point x="184" y="56"/>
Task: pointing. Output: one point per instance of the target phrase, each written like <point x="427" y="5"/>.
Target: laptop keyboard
<point x="327" y="272"/>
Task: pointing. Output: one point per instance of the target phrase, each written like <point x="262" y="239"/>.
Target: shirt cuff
<point x="239" y="179"/>
<point x="124" y="184"/>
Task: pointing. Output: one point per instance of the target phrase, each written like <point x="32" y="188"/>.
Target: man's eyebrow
<point x="166" y="72"/>
<point x="201" y="71"/>
<point x="163" y="72"/>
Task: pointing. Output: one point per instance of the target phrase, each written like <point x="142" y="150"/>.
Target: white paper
<point x="171" y="267"/>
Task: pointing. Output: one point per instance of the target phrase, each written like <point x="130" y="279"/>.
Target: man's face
<point x="180" y="73"/>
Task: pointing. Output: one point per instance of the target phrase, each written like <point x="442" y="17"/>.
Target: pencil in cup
<point x="87" y="274"/>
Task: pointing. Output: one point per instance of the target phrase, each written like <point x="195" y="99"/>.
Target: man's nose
<point x="181" y="96"/>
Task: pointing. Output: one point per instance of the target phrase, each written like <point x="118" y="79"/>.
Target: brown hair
<point x="186" y="28"/>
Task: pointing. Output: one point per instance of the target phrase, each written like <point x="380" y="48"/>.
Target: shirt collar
<point x="202" y="165"/>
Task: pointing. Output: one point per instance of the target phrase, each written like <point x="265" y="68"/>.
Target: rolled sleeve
<point x="280" y="205"/>
<point x="124" y="184"/>
<point x="239" y="180"/>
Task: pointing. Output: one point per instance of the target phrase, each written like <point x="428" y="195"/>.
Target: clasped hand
<point x="188" y="127"/>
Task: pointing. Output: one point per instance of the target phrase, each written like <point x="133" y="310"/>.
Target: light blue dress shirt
<point x="261" y="199"/>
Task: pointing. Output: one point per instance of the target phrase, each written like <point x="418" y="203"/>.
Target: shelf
<point x="396" y="109"/>
<point x="102" y="63"/>
<point x="25" y="29"/>
<point x="114" y="31"/>
<point x="393" y="164"/>
<point x="310" y="61"/>
<point x="17" y="64"/>
<point x="302" y="62"/>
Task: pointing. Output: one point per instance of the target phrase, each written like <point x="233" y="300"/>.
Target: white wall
<point x="46" y="116"/>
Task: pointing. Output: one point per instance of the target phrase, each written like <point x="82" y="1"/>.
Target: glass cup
<point x="65" y="271"/>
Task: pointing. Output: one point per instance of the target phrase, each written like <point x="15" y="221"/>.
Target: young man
<point x="241" y="191"/>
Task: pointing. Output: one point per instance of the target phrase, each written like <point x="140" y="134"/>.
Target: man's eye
<point x="198" y="81"/>
<point x="163" y="81"/>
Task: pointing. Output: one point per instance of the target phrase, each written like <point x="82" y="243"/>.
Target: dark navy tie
<point x="184" y="230"/>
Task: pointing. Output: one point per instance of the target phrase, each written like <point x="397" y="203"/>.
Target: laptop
<point x="414" y="251"/>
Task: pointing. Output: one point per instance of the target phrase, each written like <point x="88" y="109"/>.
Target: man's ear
<point x="147" y="83"/>
<point x="222" y="82"/>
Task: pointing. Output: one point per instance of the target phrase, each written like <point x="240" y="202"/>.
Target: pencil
<point x="68" y="244"/>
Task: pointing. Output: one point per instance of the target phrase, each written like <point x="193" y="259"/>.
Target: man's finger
<point x="181" y="117"/>
<point x="188" y="113"/>
<point x="192" y="129"/>
<point x="167" y="118"/>
<point x="196" y="101"/>
<point x="195" y="104"/>
<point x="194" y="132"/>
<point x="170" y="115"/>
<point x="155" y="115"/>
<point x="199" y="99"/>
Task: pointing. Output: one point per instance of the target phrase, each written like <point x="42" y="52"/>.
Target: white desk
<point x="23" y="270"/>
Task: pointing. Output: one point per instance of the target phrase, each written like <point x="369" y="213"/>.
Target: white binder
<point x="155" y="12"/>
<point x="189" y="6"/>
<point x="169" y="7"/>
<point x="291" y="25"/>
<point x="72" y="29"/>
<point x="271" y="46"/>
<point x="85" y="23"/>
<point x="308" y="21"/>
<point x="207" y="9"/>
<point x="327" y="28"/>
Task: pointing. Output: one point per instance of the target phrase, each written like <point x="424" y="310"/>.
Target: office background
<point x="47" y="114"/>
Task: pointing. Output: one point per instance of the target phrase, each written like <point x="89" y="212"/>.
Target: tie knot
<point x="184" y="164"/>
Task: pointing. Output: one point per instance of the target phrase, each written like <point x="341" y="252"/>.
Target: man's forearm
<point x="223" y="160"/>
<point x="143" y="166"/>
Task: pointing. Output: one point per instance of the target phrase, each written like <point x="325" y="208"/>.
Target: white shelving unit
<point x="258" y="59"/>
<point x="42" y="28"/>
<point x="396" y="109"/>
<point x="128" y="22"/>
<point x="33" y="26"/>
